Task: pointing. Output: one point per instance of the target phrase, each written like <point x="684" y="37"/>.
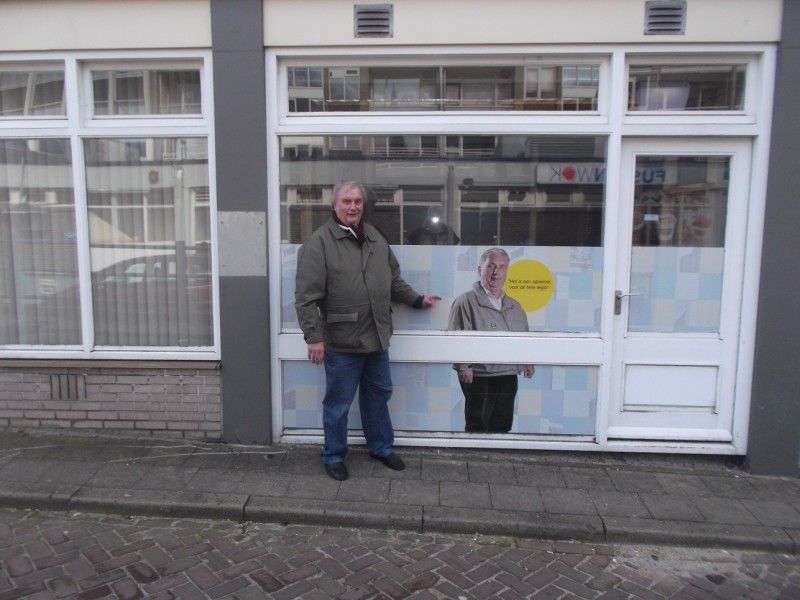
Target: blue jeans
<point x="370" y="374"/>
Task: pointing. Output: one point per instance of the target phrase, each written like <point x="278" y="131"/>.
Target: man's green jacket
<point x="344" y="290"/>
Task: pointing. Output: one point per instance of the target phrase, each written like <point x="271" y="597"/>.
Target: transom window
<point x="686" y="87"/>
<point x="519" y="84"/>
<point x="146" y="91"/>
<point x="31" y="91"/>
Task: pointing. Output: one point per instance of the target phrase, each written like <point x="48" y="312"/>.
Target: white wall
<point x="27" y="25"/>
<point x="330" y="22"/>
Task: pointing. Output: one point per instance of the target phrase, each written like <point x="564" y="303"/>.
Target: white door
<point x="678" y="297"/>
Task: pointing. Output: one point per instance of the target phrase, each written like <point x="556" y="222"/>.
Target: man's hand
<point x="528" y="371"/>
<point x="316" y="352"/>
<point x="429" y="300"/>
<point x="465" y="375"/>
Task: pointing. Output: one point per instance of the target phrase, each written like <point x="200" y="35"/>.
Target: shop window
<point x="25" y="92"/>
<point x="540" y="197"/>
<point x="140" y="209"/>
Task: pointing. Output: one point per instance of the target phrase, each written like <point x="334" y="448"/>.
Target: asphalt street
<point x="50" y="554"/>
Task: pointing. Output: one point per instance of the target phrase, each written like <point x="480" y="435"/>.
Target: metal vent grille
<point x="374" y="20"/>
<point x="665" y="17"/>
<point x="68" y="387"/>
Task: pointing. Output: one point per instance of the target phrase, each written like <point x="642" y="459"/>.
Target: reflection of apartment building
<point x="570" y="86"/>
<point x="490" y="189"/>
<point x="157" y="176"/>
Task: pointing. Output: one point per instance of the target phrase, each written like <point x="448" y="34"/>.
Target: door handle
<point x="618" y="296"/>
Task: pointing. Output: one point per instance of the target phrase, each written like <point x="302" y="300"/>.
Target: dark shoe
<point x="336" y="470"/>
<point x="392" y="461"/>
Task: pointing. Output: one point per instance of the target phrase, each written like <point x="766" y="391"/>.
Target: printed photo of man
<point x="489" y="390"/>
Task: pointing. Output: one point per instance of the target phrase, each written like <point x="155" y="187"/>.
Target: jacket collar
<point x="340" y="232"/>
<point x="483" y="299"/>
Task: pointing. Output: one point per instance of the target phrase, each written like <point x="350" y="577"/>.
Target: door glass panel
<point x="679" y="214"/>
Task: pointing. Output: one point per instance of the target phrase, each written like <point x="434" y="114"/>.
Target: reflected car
<point x="159" y="300"/>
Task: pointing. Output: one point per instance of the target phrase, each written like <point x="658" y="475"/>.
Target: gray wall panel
<point x="245" y="372"/>
<point x="774" y="437"/>
<point x="241" y="155"/>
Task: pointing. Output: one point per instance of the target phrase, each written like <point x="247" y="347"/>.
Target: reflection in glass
<point x="150" y="258"/>
<point x="39" y="299"/>
<point x="679" y="215"/>
<point x="680" y="201"/>
<point x="515" y="190"/>
<point x="518" y="84"/>
<point x="146" y="92"/>
<point x="686" y="87"/>
<point x="31" y="93"/>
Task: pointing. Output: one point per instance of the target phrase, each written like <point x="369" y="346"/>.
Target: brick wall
<point x="160" y="399"/>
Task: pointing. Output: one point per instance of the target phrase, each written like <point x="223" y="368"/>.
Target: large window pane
<point x="149" y="232"/>
<point x="441" y="199"/>
<point x="146" y="92"/>
<point x="518" y="84"/>
<point x="25" y="93"/>
<point x="655" y="87"/>
<point x="39" y="294"/>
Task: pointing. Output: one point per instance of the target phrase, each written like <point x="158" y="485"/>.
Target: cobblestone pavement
<point x="88" y="556"/>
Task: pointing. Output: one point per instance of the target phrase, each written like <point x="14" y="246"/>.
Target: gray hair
<point x="486" y="253"/>
<point x="346" y="185"/>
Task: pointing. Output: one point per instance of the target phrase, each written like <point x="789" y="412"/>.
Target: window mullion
<point x="74" y="119"/>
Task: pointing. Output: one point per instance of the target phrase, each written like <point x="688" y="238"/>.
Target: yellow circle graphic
<point x="530" y="283"/>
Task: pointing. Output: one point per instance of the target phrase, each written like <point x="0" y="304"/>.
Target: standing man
<point x="347" y="278"/>
<point x="489" y="390"/>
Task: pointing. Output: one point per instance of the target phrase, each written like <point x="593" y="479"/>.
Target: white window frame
<point x="754" y="76"/>
<point x="337" y="58"/>
<point x="610" y="120"/>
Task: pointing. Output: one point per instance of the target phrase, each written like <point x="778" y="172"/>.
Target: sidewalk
<point x="587" y="497"/>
